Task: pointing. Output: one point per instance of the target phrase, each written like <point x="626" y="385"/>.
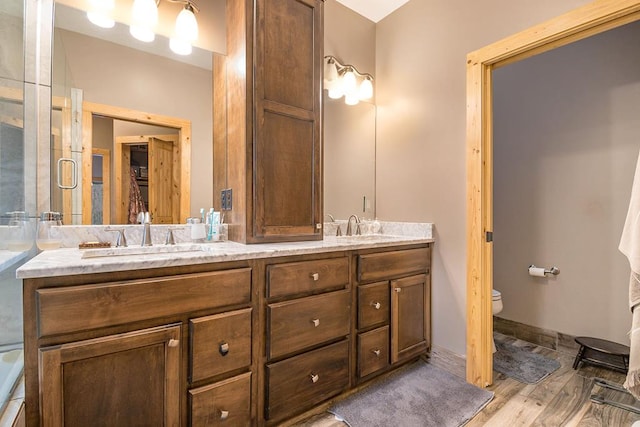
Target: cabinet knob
<point x="224" y="415"/>
<point x="376" y="305"/>
<point x="315" y="378"/>
<point x="173" y="342"/>
<point x="376" y="352"/>
<point x="224" y="348"/>
<point x="315" y="276"/>
<point x="397" y="289"/>
<point x="316" y="322"/>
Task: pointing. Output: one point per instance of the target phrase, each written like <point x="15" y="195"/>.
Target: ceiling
<point x="374" y="10"/>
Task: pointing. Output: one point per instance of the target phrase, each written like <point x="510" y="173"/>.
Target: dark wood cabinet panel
<point x="297" y="278"/>
<point x="409" y="317"/>
<point x="128" y="379"/>
<point x="373" y="304"/>
<point x="225" y="403"/>
<point x="386" y="265"/>
<point x="302" y="323"/>
<point x="272" y="147"/>
<point x="300" y="382"/>
<point x="373" y="351"/>
<point x="220" y="343"/>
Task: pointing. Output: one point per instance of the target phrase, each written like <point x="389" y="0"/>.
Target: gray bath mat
<point x="522" y="365"/>
<point x="420" y="395"/>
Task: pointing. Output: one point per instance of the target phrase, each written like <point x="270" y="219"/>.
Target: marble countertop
<point x="69" y="261"/>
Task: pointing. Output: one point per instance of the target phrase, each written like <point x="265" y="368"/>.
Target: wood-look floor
<point x="561" y="399"/>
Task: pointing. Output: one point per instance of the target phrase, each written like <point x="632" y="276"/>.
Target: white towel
<point x="630" y="246"/>
<point x="630" y="241"/>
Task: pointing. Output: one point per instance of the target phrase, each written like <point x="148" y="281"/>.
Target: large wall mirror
<point x="350" y="158"/>
<point x="134" y="92"/>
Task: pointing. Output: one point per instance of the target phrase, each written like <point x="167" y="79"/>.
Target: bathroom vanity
<point x="231" y="334"/>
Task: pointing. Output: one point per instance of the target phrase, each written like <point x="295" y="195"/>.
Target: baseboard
<point x="554" y="340"/>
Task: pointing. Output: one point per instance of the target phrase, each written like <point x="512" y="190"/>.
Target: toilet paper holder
<point x="553" y="270"/>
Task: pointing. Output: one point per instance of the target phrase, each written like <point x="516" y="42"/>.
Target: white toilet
<point x="496" y="307"/>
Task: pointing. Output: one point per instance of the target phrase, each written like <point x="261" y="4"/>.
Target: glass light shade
<point x="331" y="72"/>
<point x="349" y="84"/>
<point x="335" y="89"/>
<point x="351" y="99"/>
<point x="186" y="25"/>
<point x="366" y="89"/>
<point x="144" y="17"/>
<point x="180" y="47"/>
<point x="99" y="13"/>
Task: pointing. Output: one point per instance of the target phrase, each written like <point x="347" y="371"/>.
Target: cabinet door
<point x="119" y="380"/>
<point x="410" y="317"/>
<point x="288" y="177"/>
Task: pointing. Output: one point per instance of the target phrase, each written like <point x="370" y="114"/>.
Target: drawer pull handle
<point x="376" y="305"/>
<point x="224" y="348"/>
<point x="315" y="276"/>
<point x="315" y="378"/>
<point x="173" y="342"/>
<point x="316" y="322"/>
<point x="376" y="352"/>
<point x="224" y="415"/>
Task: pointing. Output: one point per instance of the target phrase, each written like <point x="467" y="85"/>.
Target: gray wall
<point x="421" y="100"/>
<point x="566" y="143"/>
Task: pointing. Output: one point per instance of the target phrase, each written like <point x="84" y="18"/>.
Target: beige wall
<point x="420" y="74"/>
<point x="566" y="145"/>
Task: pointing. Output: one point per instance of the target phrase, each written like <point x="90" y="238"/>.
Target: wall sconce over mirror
<point x="144" y="19"/>
<point x="345" y="80"/>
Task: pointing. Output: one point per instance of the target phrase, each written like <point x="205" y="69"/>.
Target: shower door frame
<point x="589" y="20"/>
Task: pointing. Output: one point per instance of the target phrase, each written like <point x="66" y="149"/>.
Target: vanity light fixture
<point x="144" y="18"/>
<point x="100" y="13"/>
<point x="345" y="80"/>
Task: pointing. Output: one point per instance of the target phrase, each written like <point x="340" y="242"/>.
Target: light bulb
<point x="366" y="89"/>
<point x="187" y="25"/>
<point x="144" y="17"/>
<point x="181" y="47"/>
<point x="99" y="13"/>
<point x="351" y="99"/>
<point x="349" y="84"/>
<point x="335" y="89"/>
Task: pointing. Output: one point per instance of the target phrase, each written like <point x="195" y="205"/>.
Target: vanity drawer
<point x="78" y="308"/>
<point x="301" y="382"/>
<point x="225" y="403"/>
<point x="373" y="304"/>
<point x="305" y="322"/>
<point x="392" y="264"/>
<point x="220" y="343"/>
<point x="373" y="351"/>
<point x="307" y="277"/>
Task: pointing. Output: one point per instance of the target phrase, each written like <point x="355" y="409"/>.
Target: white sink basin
<point x="139" y="250"/>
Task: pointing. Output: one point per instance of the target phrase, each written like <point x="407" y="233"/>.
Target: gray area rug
<point x="522" y="365"/>
<point x="420" y="395"/>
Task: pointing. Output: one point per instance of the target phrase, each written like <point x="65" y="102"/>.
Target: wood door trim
<point x="119" y="113"/>
<point x="588" y="20"/>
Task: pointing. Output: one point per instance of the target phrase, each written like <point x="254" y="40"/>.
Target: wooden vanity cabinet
<point x="121" y="349"/>
<point x="267" y="129"/>
<point x="394" y="311"/>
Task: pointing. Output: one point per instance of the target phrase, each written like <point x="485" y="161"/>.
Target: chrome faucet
<point x="357" y="222"/>
<point x="121" y="240"/>
<point x="145" y="219"/>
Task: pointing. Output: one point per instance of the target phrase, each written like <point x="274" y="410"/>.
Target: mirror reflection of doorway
<point x="146" y="170"/>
